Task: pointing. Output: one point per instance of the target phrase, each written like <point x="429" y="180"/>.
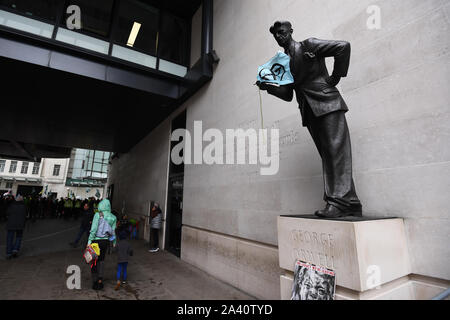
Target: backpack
<point x="104" y="230"/>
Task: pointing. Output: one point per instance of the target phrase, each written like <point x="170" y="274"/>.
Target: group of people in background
<point x="17" y="210"/>
<point x="38" y="207"/>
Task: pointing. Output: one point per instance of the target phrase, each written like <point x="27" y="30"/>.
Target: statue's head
<point x="282" y="32"/>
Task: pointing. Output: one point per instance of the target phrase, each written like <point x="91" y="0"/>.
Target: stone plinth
<point x="364" y="252"/>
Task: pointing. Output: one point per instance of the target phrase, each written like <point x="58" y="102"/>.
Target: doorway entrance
<point x="174" y="218"/>
<point x="29" y="190"/>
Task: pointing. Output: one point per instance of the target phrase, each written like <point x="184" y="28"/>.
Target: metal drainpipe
<point x="207" y="30"/>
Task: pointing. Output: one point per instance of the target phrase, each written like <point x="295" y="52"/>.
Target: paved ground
<point x="43" y="236"/>
<point x="40" y="271"/>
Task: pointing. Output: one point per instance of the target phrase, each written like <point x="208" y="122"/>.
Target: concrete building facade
<point x="31" y="177"/>
<point x="399" y="123"/>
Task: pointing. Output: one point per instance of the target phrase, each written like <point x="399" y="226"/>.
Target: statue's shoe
<point x="356" y="210"/>
<point x="331" y="211"/>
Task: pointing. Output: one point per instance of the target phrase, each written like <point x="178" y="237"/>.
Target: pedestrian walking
<point x="103" y="223"/>
<point x="86" y="220"/>
<point x="17" y="214"/>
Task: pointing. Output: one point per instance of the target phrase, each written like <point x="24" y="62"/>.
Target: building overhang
<point x="64" y="97"/>
<point x="33" y="152"/>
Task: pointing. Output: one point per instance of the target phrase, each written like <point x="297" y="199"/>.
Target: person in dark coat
<point x="2" y="208"/>
<point x="323" y="112"/>
<point x="17" y="214"/>
<point x="87" y="215"/>
<point x="124" y="224"/>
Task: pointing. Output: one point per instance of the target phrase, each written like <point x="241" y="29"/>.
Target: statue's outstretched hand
<point x="262" y="85"/>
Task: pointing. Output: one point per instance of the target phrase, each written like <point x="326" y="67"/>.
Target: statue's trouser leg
<point x="331" y="136"/>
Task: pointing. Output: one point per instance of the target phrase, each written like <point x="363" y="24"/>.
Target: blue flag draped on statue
<point x="277" y="71"/>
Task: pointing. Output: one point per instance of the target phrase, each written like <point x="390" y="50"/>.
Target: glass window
<point x="25" y="24"/>
<point x="133" y="56"/>
<point x="44" y="9"/>
<point x="82" y="41"/>
<point x="13" y="167"/>
<point x="2" y="165"/>
<point x="172" y="68"/>
<point x="36" y="166"/>
<point x="56" y="170"/>
<point x="137" y="27"/>
<point x="97" y="167"/>
<point x="89" y="167"/>
<point x="96" y="16"/>
<point x="173" y="39"/>
<point x="9" y="185"/>
<point x="98" y="156"/>
<point x="24" y="169"/>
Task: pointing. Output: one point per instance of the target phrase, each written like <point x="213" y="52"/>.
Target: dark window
<point x="56" y="170"/>
<point x="95" y="16"/>
<point x="13" y="167"/>
<point x="137" y="27"/>
<point x="24" y="169"/>
<point x="36" y="168"/>
<point x="173" y="39"/>
<point x="44" y="9"/>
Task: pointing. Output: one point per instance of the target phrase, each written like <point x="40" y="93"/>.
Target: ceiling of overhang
<point x="31" y="152"/>
<point x="44" y="106"/>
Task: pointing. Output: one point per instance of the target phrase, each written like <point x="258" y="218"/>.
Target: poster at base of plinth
<point x="313" y="282"/>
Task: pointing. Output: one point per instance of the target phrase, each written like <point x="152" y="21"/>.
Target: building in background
<point x="82" y="175"/>
<point x="87" y="173"/>
<point x="28" y="178"/>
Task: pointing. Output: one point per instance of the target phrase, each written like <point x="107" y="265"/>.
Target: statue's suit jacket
<point x="310" y="72"/>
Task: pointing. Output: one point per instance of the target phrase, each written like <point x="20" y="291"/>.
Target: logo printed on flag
<point x="277" y="70"/>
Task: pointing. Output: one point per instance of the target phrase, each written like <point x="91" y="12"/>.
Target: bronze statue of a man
<point x="323" y="112"/>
